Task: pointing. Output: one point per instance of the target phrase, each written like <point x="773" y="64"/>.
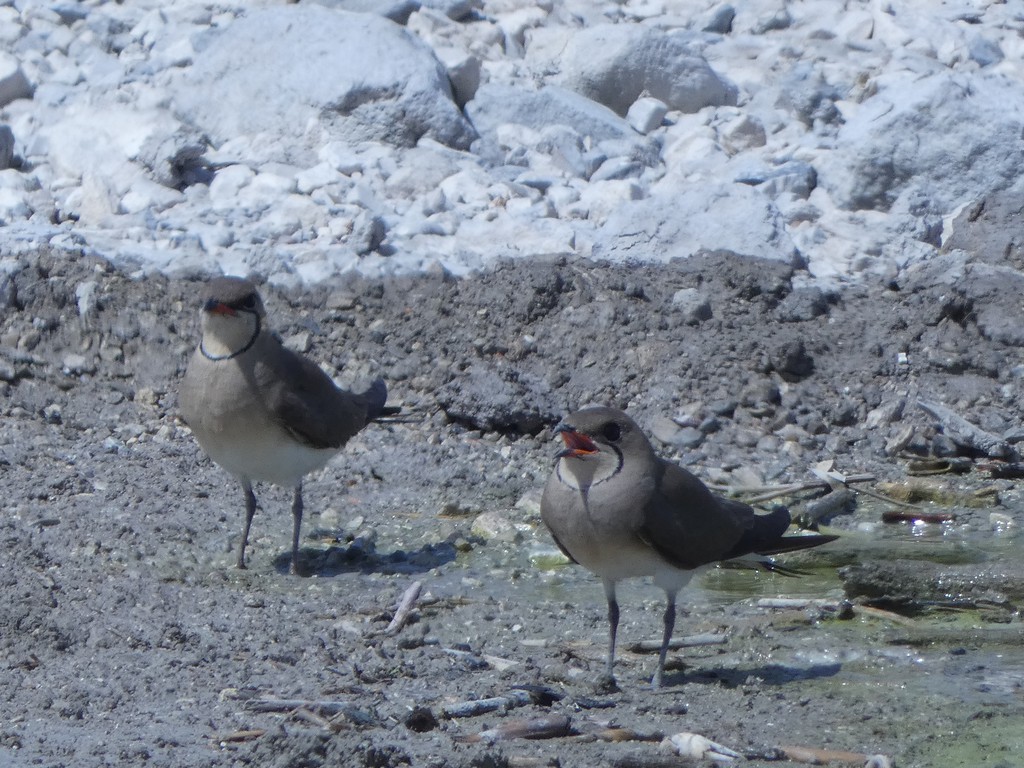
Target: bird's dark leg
<point x="608" y="681"/>
<point x="250" y="510"/>
<point x="296" y="524"/>
<point x="670" y="623"/>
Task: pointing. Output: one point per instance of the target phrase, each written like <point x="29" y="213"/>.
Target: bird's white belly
<point x="628" y="557"/>
<point x="269" y="454"/>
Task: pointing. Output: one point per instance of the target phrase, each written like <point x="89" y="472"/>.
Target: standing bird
<point x="619" y="510"/>
<point x="260" y="410"/>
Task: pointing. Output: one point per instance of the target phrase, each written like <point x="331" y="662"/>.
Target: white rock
<point x="396" y="10"/>
<point x="917" y="139"/>
<point x="214" y="236"/>
<point x="106" y="139"/>
<point x="496" y="105"/>
<point x="11" y="27"/>
<point x="340" y="156"/>
<point x="562" y="195"/>
<point x="464" y="70"/>
<point x="6" y="147"/>
<point x="742" y="133"/>
<point x="13" y="83"/>
<point x="602" y="199"/>
<point x="320" y="175"/>
<point x="615" y="64"/>
<point x="13" y="204"/>
<point x="420" y="171"/>
<point x="646" y="114"/>
<point x="694" y="307"/>
<point x="680" y="220"/>
<point x="227" y="184"/>
<point x="146" y="195"/>
<point x="321" y="75"/>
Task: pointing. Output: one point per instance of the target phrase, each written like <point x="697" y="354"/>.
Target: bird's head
<point x="598" y="442"/>
<point x="232" y="317"/>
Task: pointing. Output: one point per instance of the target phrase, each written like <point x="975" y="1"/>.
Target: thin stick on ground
<point x="405" y="606"/>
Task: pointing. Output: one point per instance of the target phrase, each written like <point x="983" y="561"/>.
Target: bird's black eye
<point x="249" y="302"/>
<point x="611" y="431"/>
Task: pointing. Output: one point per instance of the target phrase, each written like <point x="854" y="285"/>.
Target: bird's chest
<point x="231" y="421"/>
<point x="221" y="398"/>
<point x="602" y="537"/>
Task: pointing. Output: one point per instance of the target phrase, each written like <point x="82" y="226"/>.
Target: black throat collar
<point x="242" y="350"/>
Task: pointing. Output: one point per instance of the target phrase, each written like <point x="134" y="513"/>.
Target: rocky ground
<point x="128" y="637"/>
<point x="368" y="164"/>
<point x="384" y="137"/>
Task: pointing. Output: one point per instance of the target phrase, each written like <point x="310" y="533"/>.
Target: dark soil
<point x="129" y="638"/>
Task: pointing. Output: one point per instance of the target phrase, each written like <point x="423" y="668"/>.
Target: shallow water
<point x="955" y="677"/>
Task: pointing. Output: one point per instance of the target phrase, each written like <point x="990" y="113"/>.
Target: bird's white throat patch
<point x="581" y="474"/>
<point x="225" y="336"/>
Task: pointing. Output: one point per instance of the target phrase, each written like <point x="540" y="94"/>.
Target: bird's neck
<point x="581" y="474"/>
<point x="228" y="337"/>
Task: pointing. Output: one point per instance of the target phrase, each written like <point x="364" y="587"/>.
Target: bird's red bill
<point x="219" y="308"/>
<point x="577" y="444"/>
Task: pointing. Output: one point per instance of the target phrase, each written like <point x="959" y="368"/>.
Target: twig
<point x="833" y="503"/>
<point x="886" y="499"/>
<point x="797" y="602"/>
<point x="815" y="756"/>
<point x="690" y="641"/>
<point x="768" y="492"/>
<point x="312" y="717"/>
<point x="250" y="734"/>
<point x="322" y="707"/>
<point x="879" y="613"/>
<point x="405" y="606"/>
<point x="476" y="707"/>
<point x="962" y="432"/>
<point x="548" y="727"/>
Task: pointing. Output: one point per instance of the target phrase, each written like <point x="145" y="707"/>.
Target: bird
<point x="260" y="410"/>
<point x="615" y="507"/>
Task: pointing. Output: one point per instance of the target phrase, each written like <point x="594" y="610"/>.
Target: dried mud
<point x="129" y="639"/>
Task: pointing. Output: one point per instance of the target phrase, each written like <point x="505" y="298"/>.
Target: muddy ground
<point x="129" y="639"/>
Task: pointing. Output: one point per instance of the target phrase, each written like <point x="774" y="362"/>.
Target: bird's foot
<point x="658" y="681"/>
<point x="606" y="684"/>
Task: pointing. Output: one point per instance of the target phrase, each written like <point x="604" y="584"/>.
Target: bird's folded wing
<point x="686" y="523"/>
<point x="306" y="402"/>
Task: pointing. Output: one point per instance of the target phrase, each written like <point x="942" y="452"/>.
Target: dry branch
<point x="690" y="641"/>
<point x="547" y="727"/>
<point x="405" y="606"/>
<point x="476" y="707"/>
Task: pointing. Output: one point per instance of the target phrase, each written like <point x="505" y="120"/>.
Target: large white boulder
<point x="679" y="220"/>
<point x="497" y="105"/>
<point x="615" y="64"/>
<point x="306" y="75"/>
<point x="108" y="149"/>
<point x="927" y="144"/>
<point x="13" y="82"/>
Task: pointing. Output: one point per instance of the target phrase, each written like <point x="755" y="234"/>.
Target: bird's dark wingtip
<point x="794" y="543"/>
<point x="376" y="395"/>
